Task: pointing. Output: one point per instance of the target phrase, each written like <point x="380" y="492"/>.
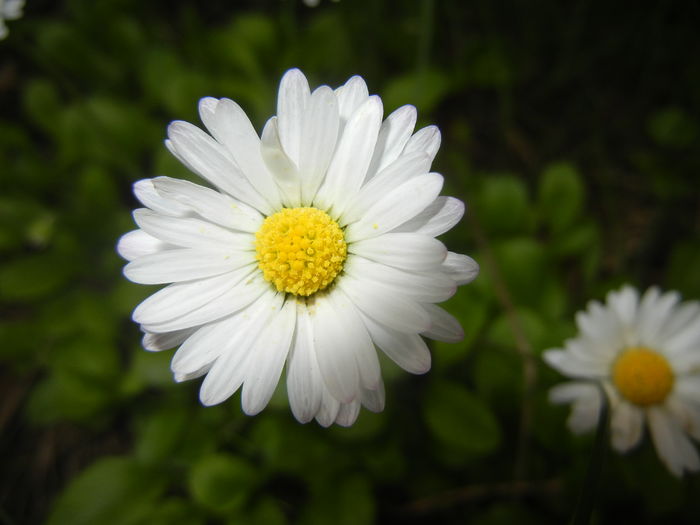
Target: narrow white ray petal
<point x="437" y="218"/>
<point x="235" y="298"/>
<point x="206" y="344"/>
<point x="651" y="325"/>
<point x="407" y="350"/>
<point x="347" y="414"/>
<point x="409" y="251"/>
<point x="396" y="207"/>
<point x="138" y="243"/>
<point x="335" y="351"/>
<point x="210" y="204"/>
<point x="684" y="317"/>
<point x="231" y="127"/>
<point x="626" y="424"/>
<point x="146" y="193"/>
<point x="328" y="411"/>
<point x="184" y="264"/>
<point x="674" y="448"/>
<point x="393" y="136"/>
<point x="190" y="232"/>
<point x="280" y="165"/>
<point x="269" y="352"/>
<point x="686" y="410"/>
<point x="158" y="342"/>
<point x="206" y="157"/>
<point x="179" y="378"/>
<point x="462" y="268"/>
<point x="397" y="311"/>
<point x="373" y="399"/>
<point x="318" y="138"/>
<point x="443" y="326"/>
<point x="183" y="297"/>
<point x="365" y="354"/>
<point x="292" y="100"/>
<point x="401" y="170"/>
<point x="422" y="287"/>
<point x="585" y="412"/>
<point x="624" y="303"/>
<point x="685" y="341"/>
<point x="304" y="382"/>
<point x="426" y="140"/>
<point x="571" y="366"/>
<point x="350" y="96"/>
<point x="231" y="367"/>
<point x="688" y="387"/>
<point x="349" y="165"/>
<point x="569" y="392"/>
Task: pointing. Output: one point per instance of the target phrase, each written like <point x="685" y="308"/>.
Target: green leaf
<point x="502" y="206"/>
<point x="460" y="420"/>
<point x="222" y="482"/>
<point x="424" y="90"/>
<point x="33" y="277"/>
<point x="161" y="433"/>
<point x="523" y="267"/>
<point x="343" y="500"/>
<point x="561" y="196"/>
<point x="111" y="491"/>
<point x="673" y="127"/>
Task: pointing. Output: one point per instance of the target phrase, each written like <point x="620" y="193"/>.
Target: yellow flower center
<point x="300" y="250"/>
<point x="643" y="376"/>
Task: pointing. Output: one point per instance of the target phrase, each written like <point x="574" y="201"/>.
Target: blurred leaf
<point x="523" y="266"/>
<point x="561" y="195"/>
<point x="459" y="419"/>
<point x="111" y="491"/>
<point x="673" y="127"/>
<point x="266" y="512"/>
<point x="222" y="482"/>
<point x="33" y="276"/>
<point x="174" y="512"/>
<point x="347" y="500"/>
<point x="424" y="90"/>
<point x="160" y="434"/>
<point x="502" y="206"/>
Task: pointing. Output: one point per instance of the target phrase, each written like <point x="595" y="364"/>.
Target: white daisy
<point x="9" y="10"/>
<point x="646" y="355"/>
<point x="317" y="244"/>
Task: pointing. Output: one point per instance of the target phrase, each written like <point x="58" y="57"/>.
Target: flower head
<point x="9" y="10"/>
<point x="315" y="245"/>
<point x="645" y="353"/>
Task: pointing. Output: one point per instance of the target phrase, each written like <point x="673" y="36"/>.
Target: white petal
<point x="347" y="414"/>
<point x="624" y="302"/>
<point x="626" y="425"/>
<point x="292" y="100"/>
<point x="230" y="368"/>
<point x="350" y="96"/>
<point x="373" y="399"/>
<point x="304" y="383"/>
<point x="403" y="169"/>
<point x="210" y="204"/>
<point x="191" y="233"/>
<point x="437" y="218"/>
<point x="397" y="311"/>
<point x="422" y="287"/>
<point x="268" y="354"/>
<point x="585" y="412"/>
<point x="335" y="351"/>
<point x="145" y="192"/>
<point x="651" y="320"/>
<point x="329" y="409"/>
<point x="203" y="155"/>
<point x="409" y="351"/>
<point x="184" y="264"/>
<point x="319" y="135"/>
<point x="687" y="413"/>
<point x="572" y="391"/>
<point x="179" y="378"/>
<point x="238" y="296"/>
<point x="365" y="354"/>
<point x="205" y="345"/>
<point x="674" y="448"/>
<point x="181" y="298"/>
<point x="395" y="208"/>
<point x="426" y="140"/>
<point x="138" y="243"/>
<point x="462" y="268"/>
<point x="158" y="342"/>
<point x="572" y="366"/>
<point x="688" y="387"/>
<point x="229" y="125"/>
<point x="281" y="166"/>
<point x="393" y="136"/>
<point x="685" y="317"/>
<point x="443" y="326"/>
<point x="348" y="167"/>
<point x="409" y="251"/>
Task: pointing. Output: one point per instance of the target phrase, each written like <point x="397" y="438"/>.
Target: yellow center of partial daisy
<point x="300" y="250"/>
<point x="643" y="376"/>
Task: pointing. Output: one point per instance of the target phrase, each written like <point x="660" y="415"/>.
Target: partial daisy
<point x="9" y="10"/>
<point x="316" y="244"/>
<point x="645" y="354"/>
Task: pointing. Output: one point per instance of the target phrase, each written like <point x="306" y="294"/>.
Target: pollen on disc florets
<point x="300" y="250"/>
<point x="643" y="377"/>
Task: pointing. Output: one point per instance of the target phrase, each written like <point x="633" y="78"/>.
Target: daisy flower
<point x="645" y="353"/>
<point x="315" y="245"/>
<point x="9" y="10"/>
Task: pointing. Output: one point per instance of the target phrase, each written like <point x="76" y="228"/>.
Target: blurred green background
<point x="569" y="128"/>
